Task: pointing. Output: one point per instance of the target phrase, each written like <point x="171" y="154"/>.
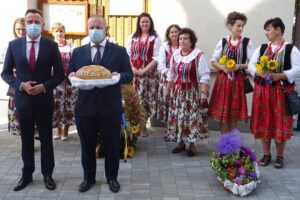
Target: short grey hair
<point x="97" y="17"/>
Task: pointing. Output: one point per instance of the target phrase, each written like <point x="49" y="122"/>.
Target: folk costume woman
<point x="13" y="119"/>
<point x="65" y="95"/>
<point x="165" y="53"/>
<point x="228" y="100"/>
<point x="188" y="78"/>
<point x="143" y="48"/>
<point x="269" y="119"/>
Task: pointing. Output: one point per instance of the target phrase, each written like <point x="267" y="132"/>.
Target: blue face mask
<point x="33" y="30"/>
<point x="96" y="35"/>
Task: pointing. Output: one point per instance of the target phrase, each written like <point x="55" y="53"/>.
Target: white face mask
<point x="33" y="30"/>
<point x="96" y="35"/>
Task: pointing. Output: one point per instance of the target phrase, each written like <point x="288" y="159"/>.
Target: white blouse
<point x="218" y="50"/>
<point x="295" y="62"/>
<point x="157" y="44"/>
<point x="69" y="47"/>
<point x="203" y="70"/>
<point x="162" y="60"/>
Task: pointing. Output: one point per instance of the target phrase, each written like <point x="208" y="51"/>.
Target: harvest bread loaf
<point x="93" y="72"/>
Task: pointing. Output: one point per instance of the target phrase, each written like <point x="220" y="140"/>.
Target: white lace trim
<point x="186" y="59"/>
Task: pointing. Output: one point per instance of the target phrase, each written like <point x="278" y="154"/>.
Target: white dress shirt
<point x="36" y="46"/>
<point x="36" y="53"/>
<point x="94" y="49"/>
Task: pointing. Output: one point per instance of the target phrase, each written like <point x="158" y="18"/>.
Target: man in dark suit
<point x="34" y="57"/>
<point x="100" y="109"/>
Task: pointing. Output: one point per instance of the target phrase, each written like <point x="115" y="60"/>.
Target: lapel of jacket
<point x="106" y="54"/>
<point x="87" y="50"/>
<point x="24" y="56"/>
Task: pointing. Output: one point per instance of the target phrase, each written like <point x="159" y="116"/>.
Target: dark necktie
<point x="32" y="55"/>
<point x="97" y="57"/>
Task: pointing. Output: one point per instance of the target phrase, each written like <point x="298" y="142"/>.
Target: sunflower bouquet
<point x="235" y="164"/>
<point x="229" y="64"/>
<point x="133" y="121"/>
<point x="266" y="66"/>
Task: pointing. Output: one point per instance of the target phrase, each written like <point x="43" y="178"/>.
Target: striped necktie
<point x="97" y="57"/>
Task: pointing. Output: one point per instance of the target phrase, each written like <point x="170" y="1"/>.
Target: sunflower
<point x="223" y="59"/>
<point x="230" y="64"/>
<point x="263" y="59"/>
<point x="134" y="129"/>
<point x="258" y="67"/>
<point x="130" y="151"/>
<point x="272" y="65"/>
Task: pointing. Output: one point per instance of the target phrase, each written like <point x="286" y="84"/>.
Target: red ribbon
<point x="232" y="47"/>
<point x="271" y="54"/>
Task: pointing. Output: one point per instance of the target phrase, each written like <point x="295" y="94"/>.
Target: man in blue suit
<point x="100" y="109"/>
<point x="34" y="58"/>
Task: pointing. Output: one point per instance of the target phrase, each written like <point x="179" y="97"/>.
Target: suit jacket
<point x="48" y="59"/>
<point x="102" y="101"/>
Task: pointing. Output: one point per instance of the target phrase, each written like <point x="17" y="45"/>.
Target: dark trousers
<point x="43" y="120"/>
<point x="88" y="128"/>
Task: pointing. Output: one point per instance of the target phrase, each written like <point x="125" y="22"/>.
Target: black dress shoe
<point x="49" y="183"/>
<point x="114" y="185"/>
<point x="178" y="149"/>
<point x="22" y="183"/>
<point x="85" y="186"/>
<point x="191" y="153"/>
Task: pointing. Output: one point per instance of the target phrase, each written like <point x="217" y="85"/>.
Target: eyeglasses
<point x="20" y="29"/>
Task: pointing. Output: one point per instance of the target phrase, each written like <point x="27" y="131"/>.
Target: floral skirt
<point x="228" y="100"/>
<point x="269" y="118"/>
<point x="163" y="101"/>
<point x="13" y="122"/>
<point x="65" y="97"/>
<point x="13" y="119"/>
<point x="187" y="118"/>
<point x="147" y="87"/>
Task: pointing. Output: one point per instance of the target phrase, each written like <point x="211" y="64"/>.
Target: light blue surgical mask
<point x="96" y="35"/>
<point x="33" y="30"/>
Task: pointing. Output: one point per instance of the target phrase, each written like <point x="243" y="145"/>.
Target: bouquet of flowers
<point x="266" y="66"/>
<point x="229" y="64"/>
<point x="133" y="121"/>
<point x="235" y="164"/>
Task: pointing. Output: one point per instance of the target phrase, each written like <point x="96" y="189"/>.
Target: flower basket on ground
<point x="133" y="121"/>
<point x="235" y="164"/>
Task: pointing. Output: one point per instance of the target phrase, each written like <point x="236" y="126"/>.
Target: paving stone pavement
<point x="154" y="172"/>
